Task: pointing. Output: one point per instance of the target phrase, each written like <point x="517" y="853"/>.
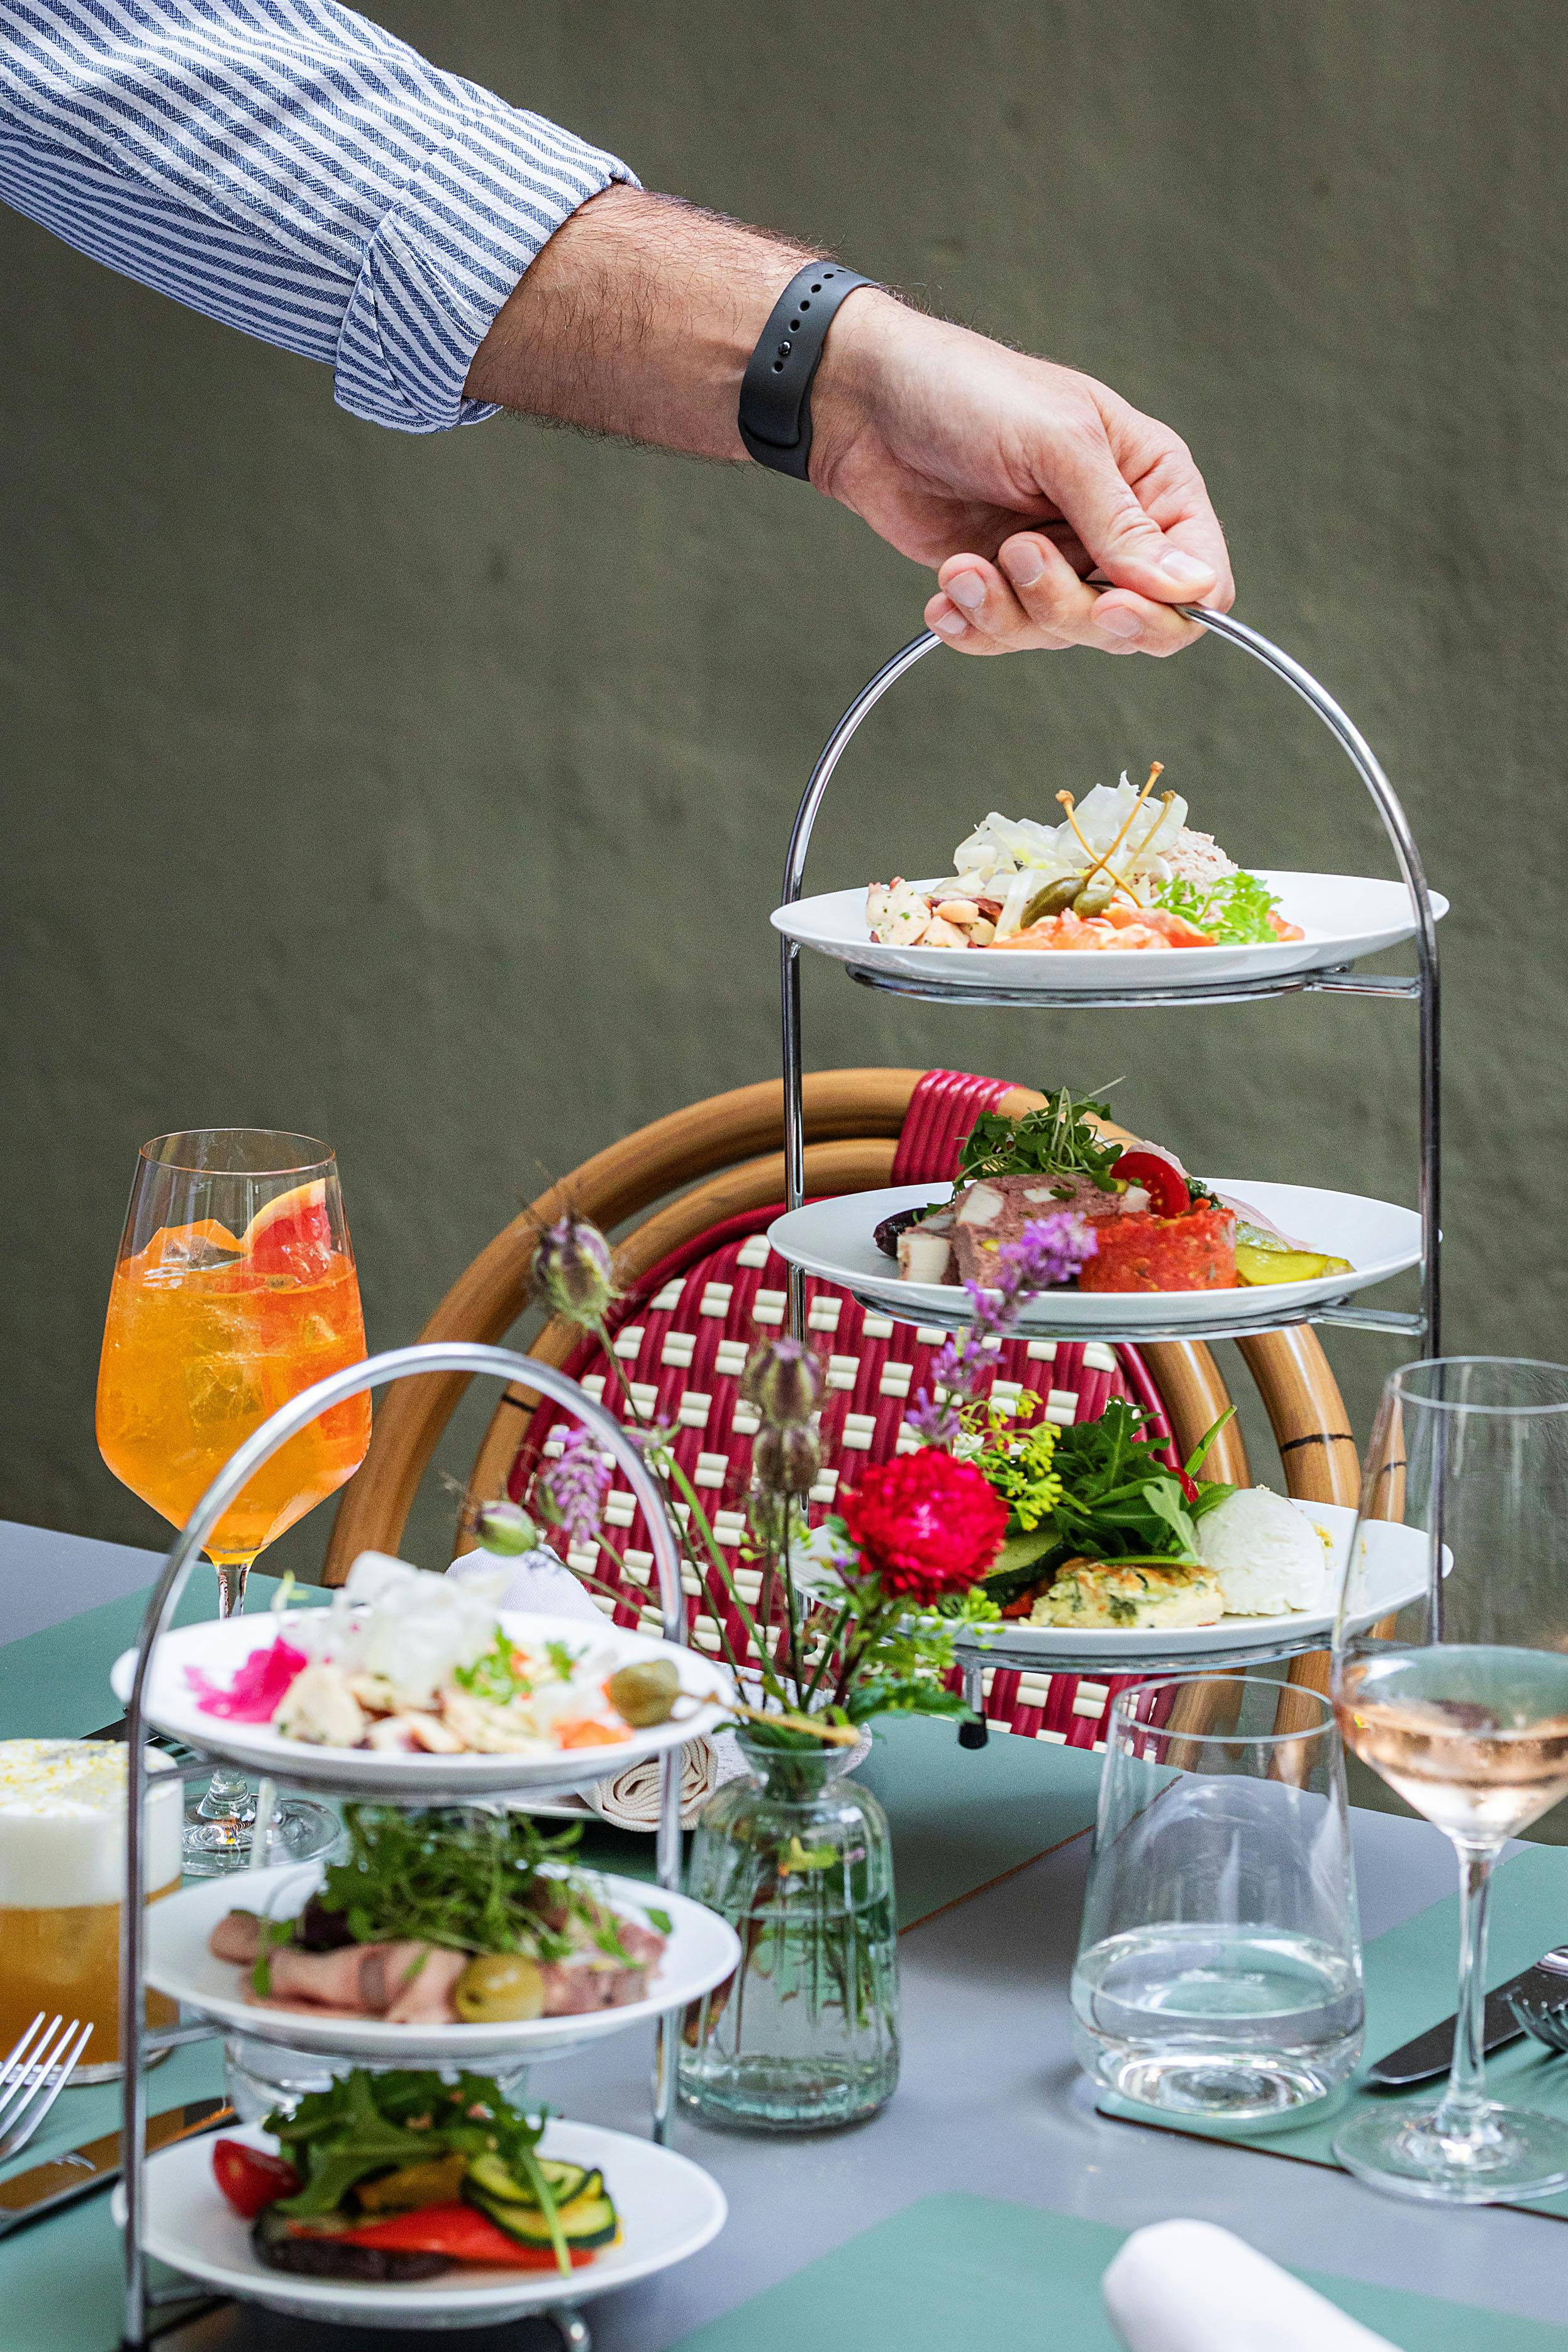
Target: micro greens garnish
<point x="497" y="1675"/>
<point x="1056" y="1141"/>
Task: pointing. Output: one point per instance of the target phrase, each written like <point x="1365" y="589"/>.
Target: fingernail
<point x="1117" y="621"/>
<point x="1186" y="570"/>
<point x="1023" y="563"/>
<point x="965" y="588"/>
<point x="951" y="624"/>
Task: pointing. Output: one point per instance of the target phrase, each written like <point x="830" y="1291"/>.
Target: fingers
<point x="1094" y="486"/>
<point x="1031" y="598"/>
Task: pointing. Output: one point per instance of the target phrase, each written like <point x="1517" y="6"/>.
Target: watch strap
<point x="775" y="415"/>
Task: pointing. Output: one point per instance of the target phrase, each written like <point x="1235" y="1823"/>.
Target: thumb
<point x="1126" y="543"/>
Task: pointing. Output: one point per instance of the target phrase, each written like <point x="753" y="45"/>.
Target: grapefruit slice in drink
<point x="292" y="1234"/>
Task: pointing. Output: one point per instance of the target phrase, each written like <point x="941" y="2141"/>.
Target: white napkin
<point x="538" y="1583"/>
<point x="1189" y="2286"/>
<point x="630" y="1798"/>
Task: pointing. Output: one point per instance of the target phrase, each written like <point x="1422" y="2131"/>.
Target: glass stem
<point x="228" y="1796"/>
<point x="1459" y="2114"/>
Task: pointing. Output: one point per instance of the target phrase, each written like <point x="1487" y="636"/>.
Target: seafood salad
<point x="1149" y="1225"/>
<point x="464" y="1916"/>
<point x="1123" y="870"/>
<point x="404" y="1660"/>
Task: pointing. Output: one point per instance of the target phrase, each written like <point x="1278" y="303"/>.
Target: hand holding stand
<point x="400" y="1363"/>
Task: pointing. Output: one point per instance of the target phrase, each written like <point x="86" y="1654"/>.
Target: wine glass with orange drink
<point x="235" y="1289"/>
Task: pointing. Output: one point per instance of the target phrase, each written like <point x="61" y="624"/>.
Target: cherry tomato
<point x="249" y="2178"/>
<point x="1169" y="1195"/>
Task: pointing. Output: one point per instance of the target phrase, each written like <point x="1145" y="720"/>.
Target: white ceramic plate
<point x="700" y="1951"/>
<point x="669" y="2210"/>
<point x="220" y="1647"/>
<point x="1398" y="1570"/>
<point x="834" y="1239"/>
<point x="1344" y="917"/>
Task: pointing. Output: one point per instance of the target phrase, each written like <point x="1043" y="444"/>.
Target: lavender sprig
<point x="573" y="1488"/>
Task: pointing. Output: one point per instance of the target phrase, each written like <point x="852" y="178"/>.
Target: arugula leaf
<point x="366" y="2125"/>
<point x="469" y="1880"/>
<point x="1120" y="1500"/>
<point x="1235" y="909"/>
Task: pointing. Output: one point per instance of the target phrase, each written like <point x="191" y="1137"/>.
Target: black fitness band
<point x="774" y="416"/>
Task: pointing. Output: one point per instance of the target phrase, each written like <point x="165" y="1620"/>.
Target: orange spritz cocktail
<point x="207" y="1333"/>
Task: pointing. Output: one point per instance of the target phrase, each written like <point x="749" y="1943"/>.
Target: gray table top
<point x="990" y="2101"/>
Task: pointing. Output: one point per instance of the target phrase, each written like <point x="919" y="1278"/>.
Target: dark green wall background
<point x="431" y="795"/>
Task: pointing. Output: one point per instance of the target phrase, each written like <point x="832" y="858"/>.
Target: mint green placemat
<point x="956" y="2272"/>
<point x="1411" y="1984"/>
<point x="54" y="1685"/>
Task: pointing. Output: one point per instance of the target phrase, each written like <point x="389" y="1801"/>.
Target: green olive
<point x="499" y="1988"/>
<point x="645" y="1695"/>
<point x="1054" y="899"/>
<point x="1093" y="899"/>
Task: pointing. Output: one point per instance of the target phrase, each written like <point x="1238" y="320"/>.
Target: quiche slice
<point x="1092" y="1593"/>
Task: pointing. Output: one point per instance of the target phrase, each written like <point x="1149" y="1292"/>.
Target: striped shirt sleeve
<point x="295" y="171"/>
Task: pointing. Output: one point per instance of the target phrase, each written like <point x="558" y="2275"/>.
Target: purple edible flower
<point x="574" y="1487"/>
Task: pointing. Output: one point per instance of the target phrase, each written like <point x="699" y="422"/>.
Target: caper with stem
<point x="1054" y="899"/>
<point x="1095" y="898"/>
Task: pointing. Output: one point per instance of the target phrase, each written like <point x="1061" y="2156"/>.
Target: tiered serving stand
<point x="315" y="1771"/>
<point x="1332" y="978"/>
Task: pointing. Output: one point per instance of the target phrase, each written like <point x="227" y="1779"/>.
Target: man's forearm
<point x="637" y="320"/>
<point x="1013" y="477"/>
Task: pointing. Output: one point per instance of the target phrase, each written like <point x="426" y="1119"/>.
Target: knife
<point x="44" y="2188"/>
<point x="1432" y="2052"/>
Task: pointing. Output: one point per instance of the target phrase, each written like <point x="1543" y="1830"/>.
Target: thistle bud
<point x="784" y="1381"/>
<point x="572" y="1266"/>
<point x="786" y="1461"/>
<point x="505" y="1529"/>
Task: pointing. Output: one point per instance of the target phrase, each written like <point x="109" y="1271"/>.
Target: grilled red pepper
<point x="1169" y="1195"/>
<point x="460" y="2231"/>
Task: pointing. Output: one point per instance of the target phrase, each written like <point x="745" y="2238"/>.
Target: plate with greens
<point x="454" y="1935"/>
<point x="408" y="2200"/>
<point x="1215" y="934"/>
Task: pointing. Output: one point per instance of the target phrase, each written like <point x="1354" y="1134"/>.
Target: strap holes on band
<point x="817" y="287"/>
<point x="777" y="367"/>
<point x="805" y="303"/>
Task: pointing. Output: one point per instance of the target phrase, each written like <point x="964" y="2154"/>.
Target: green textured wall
<point x="429" y="795"/>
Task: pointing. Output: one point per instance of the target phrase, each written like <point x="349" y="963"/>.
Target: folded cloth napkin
<point x="538" y="1583"/>
<point x="1189" y="2286"/>
<point x="630" y="1800"/>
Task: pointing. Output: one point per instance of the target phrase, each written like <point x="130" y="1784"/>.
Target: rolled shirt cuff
<point x="446" y="255"/>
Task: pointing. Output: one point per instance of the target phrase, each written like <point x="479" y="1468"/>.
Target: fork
<point x="1539" y="2001"/>
<point x="31" y="2076"/>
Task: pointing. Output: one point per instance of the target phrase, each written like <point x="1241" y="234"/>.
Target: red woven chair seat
<point x="682" y="1338"/>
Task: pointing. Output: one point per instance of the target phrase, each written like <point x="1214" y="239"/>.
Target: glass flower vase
<point x="804" y="2035"/>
